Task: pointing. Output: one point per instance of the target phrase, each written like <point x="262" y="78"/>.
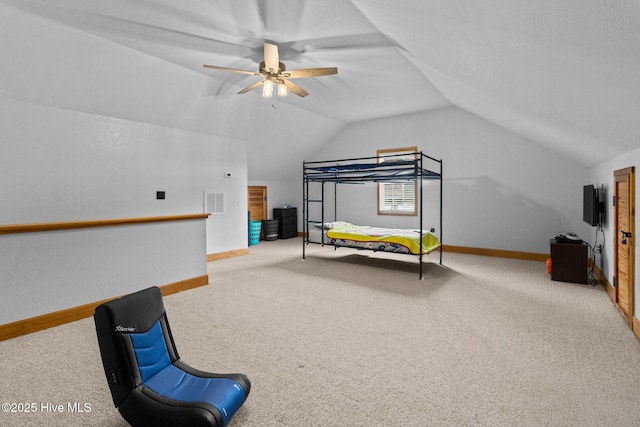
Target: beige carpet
<point x="353" y="338"/>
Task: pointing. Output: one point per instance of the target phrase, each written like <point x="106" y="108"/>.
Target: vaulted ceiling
<point x="563" y="73"/>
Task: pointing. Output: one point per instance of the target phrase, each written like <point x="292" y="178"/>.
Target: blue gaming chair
<point x="149" y="383"/>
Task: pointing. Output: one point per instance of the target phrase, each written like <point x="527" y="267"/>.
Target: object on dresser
<point x="568" y="237"/>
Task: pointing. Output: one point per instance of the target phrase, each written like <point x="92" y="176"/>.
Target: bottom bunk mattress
<point x="407" y="241"/>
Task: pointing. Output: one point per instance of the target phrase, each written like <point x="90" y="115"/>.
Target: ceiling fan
<point x="275" y="73"/>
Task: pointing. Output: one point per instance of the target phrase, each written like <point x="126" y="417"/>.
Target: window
<point x="397" y="197"/>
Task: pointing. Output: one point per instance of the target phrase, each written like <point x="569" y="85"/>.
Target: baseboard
<point x="635" y="323"/>
<point x="49" y="320"/>
<point x="604" y="281"/>
<point x="530" y="256"/>
<point x="228" y="254"/>
<point x="184" y="285"/>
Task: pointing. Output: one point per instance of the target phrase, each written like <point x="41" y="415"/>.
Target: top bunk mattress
<point x="380" y="239"/>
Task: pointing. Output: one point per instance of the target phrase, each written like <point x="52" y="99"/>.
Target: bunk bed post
<point x="322" y="213"/>
<point x="335" y="200"/>
<point x="335" y="204"/>
<point x="305" y="202"/>
<point x="418" y="173"/>
<point x="441" y="175"/>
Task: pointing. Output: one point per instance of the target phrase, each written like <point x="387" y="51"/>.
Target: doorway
<point x="624" y="257"/>
<point x="257" y="203"/>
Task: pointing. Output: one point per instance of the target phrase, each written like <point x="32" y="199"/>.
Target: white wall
<point x="50" y="271"/>
<point x="602" y="175"/>
<point x="501" y="191"/>
<point x="60" y="165"/>
<point x="89" y="130"/>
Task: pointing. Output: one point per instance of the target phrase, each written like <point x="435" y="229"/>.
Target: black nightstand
<point x="569" y="262"/>
<point x="288" y="224"/>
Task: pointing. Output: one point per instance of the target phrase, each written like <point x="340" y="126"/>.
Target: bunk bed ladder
<point x="305" y="214"/>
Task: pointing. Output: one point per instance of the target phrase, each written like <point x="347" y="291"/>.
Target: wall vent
<point x="213" y="203"/>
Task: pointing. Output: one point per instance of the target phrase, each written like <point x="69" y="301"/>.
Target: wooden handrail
<point x="70" y="225"/>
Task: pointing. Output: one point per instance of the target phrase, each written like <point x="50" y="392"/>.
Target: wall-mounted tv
<point x="590" y="206"/>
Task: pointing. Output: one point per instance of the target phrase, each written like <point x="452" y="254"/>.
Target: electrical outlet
<point x="160" y="195"/>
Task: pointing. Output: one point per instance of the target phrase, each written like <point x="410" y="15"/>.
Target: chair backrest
<point x="135" y="340"/>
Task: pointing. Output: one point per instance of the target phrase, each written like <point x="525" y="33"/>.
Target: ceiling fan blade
<point x="310" y="72"/>
<point x="233" y="70"/>
<point x="294" y="88"/>
<point x="251" y="87"/>
<point x="271" y="58"/>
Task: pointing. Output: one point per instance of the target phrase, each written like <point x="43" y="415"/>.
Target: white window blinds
<point x="398" y="197"/>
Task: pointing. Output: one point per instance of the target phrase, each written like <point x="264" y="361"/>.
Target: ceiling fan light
<point x="267" y="89"/>
<point x="282" y="90"/>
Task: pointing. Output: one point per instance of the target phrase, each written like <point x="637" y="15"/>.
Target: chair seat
<point x="174" y="383"/>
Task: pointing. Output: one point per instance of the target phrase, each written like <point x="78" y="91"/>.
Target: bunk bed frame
<point x="383" y="168"/>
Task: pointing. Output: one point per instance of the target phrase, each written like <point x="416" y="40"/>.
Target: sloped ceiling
<point x="563" y="73"/>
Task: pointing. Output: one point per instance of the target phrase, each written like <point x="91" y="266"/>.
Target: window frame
<point x="381" y="185"/>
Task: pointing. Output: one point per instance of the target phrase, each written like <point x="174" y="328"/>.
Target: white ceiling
<point x="563" y="73"/>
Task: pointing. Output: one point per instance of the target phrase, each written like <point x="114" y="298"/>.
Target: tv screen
<point x="590" y="205"/>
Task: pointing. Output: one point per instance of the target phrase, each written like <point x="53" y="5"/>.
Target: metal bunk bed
<point x="384" y="168"/>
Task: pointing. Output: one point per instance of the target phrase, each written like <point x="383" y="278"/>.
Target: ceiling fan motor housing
<point x="262" y="69"/>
